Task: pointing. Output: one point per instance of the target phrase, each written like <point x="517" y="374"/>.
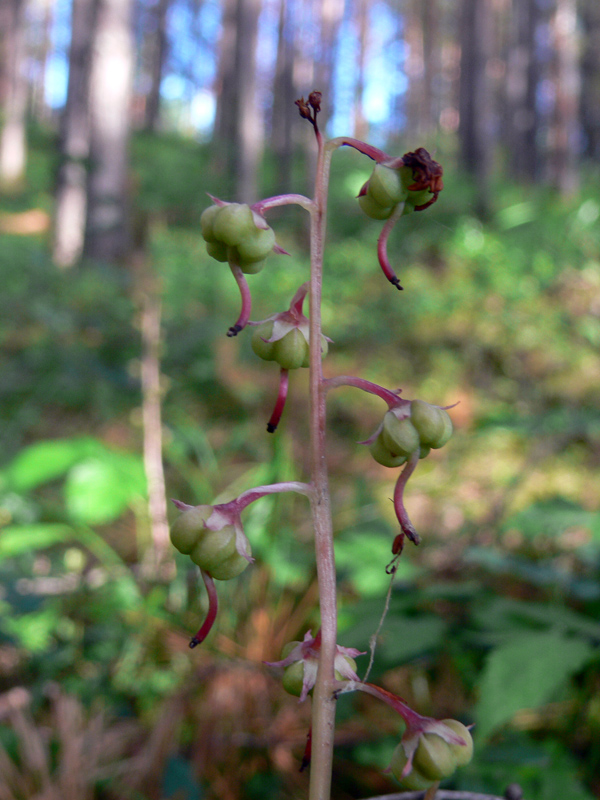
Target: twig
<point x="441" y="794"/>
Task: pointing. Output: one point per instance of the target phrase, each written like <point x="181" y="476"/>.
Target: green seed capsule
<point x="462" y="753"/>
<point x="383" y="455"/>
<point x="188" y="528"/>
<point x="434" y="758"/>
<point x="414" y="781"/>
<point x="324" y="349"/>
<point x="248" y="268"/>
<point x="257" y="246"/>
<point x="214" y="547"/>
<point x="207" y="221"/>
<point x="399" y="435"/>
<point x="432" y="423"/>
<point x="264" y="350"/>
<point x="290" y="351"/>
<point x="373" y="209"/>
<point x="293" y="678"/>
<point x="229" y="568"/>
<point x="385" y="186"/>
<point x="217" y="250"/>
<point x="233" y="224"/>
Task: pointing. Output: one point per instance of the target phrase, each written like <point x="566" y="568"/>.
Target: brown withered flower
<point x="427" y="174"/>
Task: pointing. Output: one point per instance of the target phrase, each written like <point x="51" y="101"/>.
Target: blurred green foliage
<point x="494" y="618"/>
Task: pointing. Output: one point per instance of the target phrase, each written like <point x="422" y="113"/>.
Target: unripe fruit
<point x="217" y="250"/>
<point x="434" y="758"/>
<point x="293" y="678"/>
<point x="215" y="553"/>
<point x="432" y="423"/>
<point x="462" y="753"/>
<point x="446" y="433"/>
<point x="414" y="781"/>
<point x="207" y="221"/>
<point x="258" y="246"/>
<point x="229" y="568"/>
<point x="324" y="350"/>
<point x="189" y="527"/>
<point x="373" y="209"/>
<point x="262" y="348"/>
<point x="247" y="267"/>
<point x="213" y="547"/>
<point x="290" y="351"/>
<point x="383" y="455"/>
<point x="399" y="435"/>
<point x="385" y="186"/>
<point x="233" y="224"/>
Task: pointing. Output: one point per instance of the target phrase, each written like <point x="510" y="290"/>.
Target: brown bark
<point x="158" y="44"/>
<point x="361" y="10"/>
<point x="284" y="93"/>
<point x="423" y="67"/>
<point x="564" y="130"/>
<point x="590" y="78"/>
<point x="522" y="79"/>
<point x="474" y="130"/>
<point x="13" y="149"/>
<point x="71" y="202"/>
<point x="239" y="125"/>
<point x="107" y="234"/>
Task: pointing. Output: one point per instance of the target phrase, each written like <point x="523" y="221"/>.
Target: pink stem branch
<point x="280" y="402"/>
<point x="244" y="316"/>
<point x="388" y="396"/>
<point x="282" y="200"/>
<point x="382" y="246"/>
<point x="257" y="492"/>
<point x="403" y="518"/>
<point x="366" y="149"/>
<point x="213" y="606"/>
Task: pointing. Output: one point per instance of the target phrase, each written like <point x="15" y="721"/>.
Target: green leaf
<point x="45" y="461"/>
<point x="17" y="539"/>
<point x="526" y="672"/>
<point x="98" y="490"/>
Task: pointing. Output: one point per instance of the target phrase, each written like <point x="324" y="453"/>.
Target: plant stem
<point x="323" y="709"/>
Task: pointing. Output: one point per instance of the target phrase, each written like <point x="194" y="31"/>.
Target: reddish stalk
<point x="213" y="607"/>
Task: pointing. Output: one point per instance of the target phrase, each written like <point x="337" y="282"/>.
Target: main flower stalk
<point x="323" y="714"/>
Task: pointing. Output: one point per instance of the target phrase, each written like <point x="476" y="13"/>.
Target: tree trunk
<point x="71" y="201"/>
<point x="590" y="79"/>
<point x="13" y="150"/>
<point x="423" y="67"/>
<point x="474" y="96"/>
<point x="522" y="80"/>
<point x="107" y="233"/>
<point x="158" y="53"/>
<point x="362" y="9"/>
<point x="284" y="94"/>
<point x="239" y="126"/>
<point x="328" y="14"/>
<point x="564" y="141"/>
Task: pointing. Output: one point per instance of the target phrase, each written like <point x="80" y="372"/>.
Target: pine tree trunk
<point x="239" y="124"/>
<point x="475" y="97"/>
<point x="521" y="92"/>
<point x="107" y="233"/>
<point x="158" y="53"/>
<point x="71" y="200"/>
<point x="564" y="132"/>
<point x="590" y="78"/>
<point x="13" y="148"/>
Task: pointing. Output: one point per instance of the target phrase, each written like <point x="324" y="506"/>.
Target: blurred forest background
<point x="119" y="388"/>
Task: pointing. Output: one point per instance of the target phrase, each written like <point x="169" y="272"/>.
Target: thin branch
<point x="441" y="794"/>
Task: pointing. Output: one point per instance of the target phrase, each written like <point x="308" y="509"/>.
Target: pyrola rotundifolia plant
<point x="213" y="536"/>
